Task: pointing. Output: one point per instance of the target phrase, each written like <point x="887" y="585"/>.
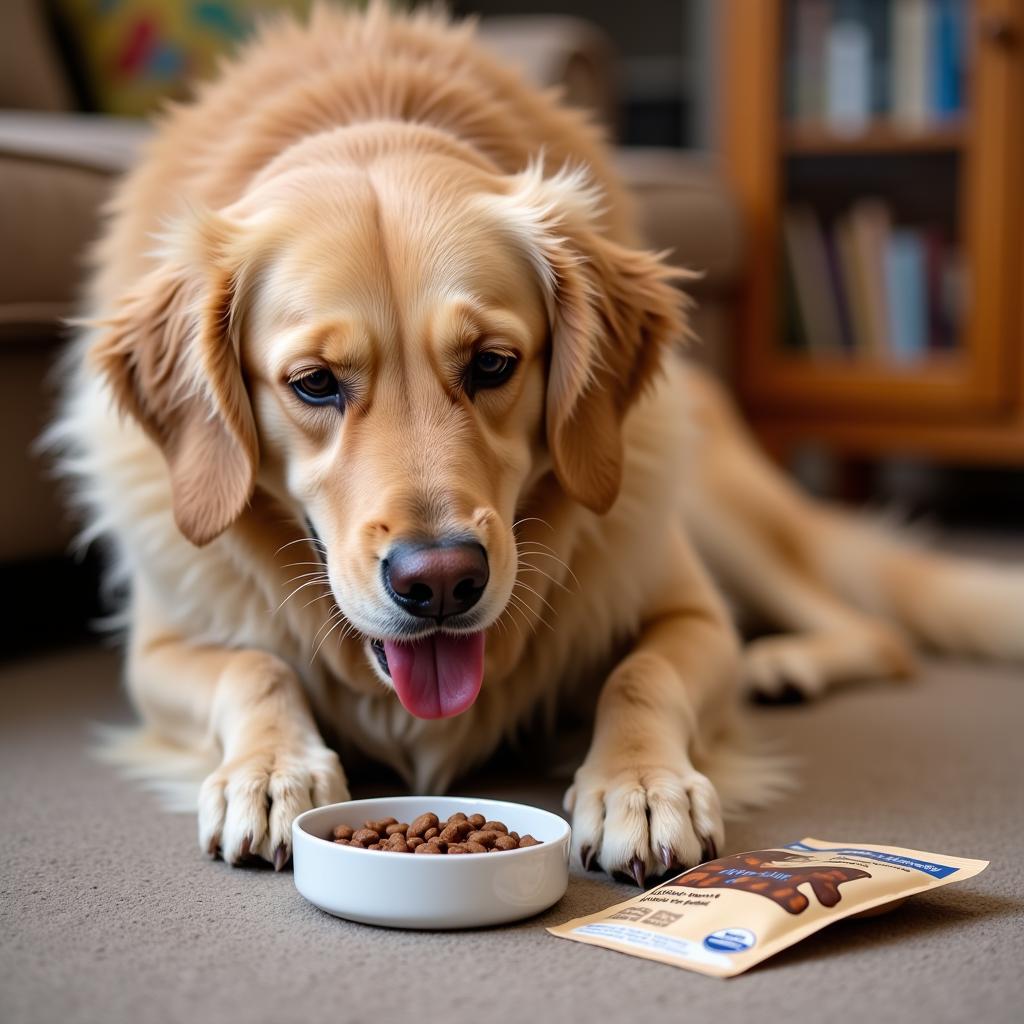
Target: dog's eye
<point x="489" y="369"/>
<point x="318" y="387"/>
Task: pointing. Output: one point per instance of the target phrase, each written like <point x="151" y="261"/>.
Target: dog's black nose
<point x="436" y="581"/>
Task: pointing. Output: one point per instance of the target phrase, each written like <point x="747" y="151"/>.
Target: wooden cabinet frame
<point x="967" y="407"/>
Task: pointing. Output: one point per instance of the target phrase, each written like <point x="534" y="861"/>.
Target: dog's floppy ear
<point x="170" y="354"/>
<point x="612" y="312"/>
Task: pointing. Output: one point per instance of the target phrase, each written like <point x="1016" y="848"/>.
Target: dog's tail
<point x="788" y="556"/>
<point x="948" y="603"/>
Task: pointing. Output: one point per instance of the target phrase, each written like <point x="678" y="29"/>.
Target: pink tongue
<point x="439" y="676"/>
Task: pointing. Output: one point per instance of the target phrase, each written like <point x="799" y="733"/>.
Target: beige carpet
<point x="110" y="914"/>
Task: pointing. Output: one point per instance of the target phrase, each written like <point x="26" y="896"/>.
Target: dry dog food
<point x="427" y="834"/>
<point x="724" y="916"/>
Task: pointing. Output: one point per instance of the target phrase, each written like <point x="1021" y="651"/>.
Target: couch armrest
<point x="684" y="205"/>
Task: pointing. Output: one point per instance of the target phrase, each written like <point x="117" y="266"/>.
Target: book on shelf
<point x="848" y="68"/>
<point x="906" y="276"/>
<point x="865" y="287"/>
<point x="807" y="68"/>
<point x="948" y="73"/>
<point x="866" y="228"/>
<point x="808" y="262"/>
<point x="854" y="61"/>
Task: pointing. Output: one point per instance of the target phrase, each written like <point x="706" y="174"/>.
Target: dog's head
<point x="398" y="352"/>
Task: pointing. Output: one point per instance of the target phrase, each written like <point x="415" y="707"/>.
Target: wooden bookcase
<point x="965" y="405"/>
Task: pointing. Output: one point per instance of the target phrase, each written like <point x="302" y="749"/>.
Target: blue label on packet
<point x="730" y="940"/>
<point x="934" y="870"/>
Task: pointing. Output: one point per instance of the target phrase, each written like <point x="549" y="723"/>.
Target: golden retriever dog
<point x="376" y="412"/>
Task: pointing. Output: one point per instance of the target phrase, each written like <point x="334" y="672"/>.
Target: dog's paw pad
<point x="781" y="670"/>
<point x="247" y="806"/>
<point x="645" y="821"/>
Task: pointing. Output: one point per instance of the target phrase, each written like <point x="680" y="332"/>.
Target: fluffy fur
<point x="374" y="194"/>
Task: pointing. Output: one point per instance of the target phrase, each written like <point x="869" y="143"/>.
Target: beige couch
<point x="56" y="167"/>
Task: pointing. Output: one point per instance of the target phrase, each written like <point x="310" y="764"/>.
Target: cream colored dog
<point x="385" y="437"/>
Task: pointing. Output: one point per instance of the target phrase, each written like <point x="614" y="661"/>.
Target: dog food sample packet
<point x="724" y="916"/>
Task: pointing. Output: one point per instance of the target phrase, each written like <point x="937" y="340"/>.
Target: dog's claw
<point x="246" y="846"/>
<point x="213" y="846"/>
<point x="708" y="850"/>
<point x="586" y="856"/>
<point x="281" y="855"/>
<point x="636" y="865"/>
<point x="666" y="857"/>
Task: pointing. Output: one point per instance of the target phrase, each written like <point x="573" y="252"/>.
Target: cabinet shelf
<point x="875" y="137"/>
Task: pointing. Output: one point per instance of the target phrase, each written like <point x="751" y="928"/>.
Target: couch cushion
<point x="55" y="172"/>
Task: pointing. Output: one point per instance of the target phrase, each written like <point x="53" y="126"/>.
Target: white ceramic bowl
<point x="408" y="891"/>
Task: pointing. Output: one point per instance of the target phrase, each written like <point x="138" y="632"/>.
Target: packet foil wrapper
<point x="725" y="916"/>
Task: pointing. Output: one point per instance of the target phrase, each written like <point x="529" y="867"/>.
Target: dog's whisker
<point x="508" y="616"/>
<point x="325" y="583"/>
<point x="332" y="618"/>
<point x="302" y="540"/>
<point x="536" y="593"/>
<point x="308" y="583"/>
<point x="319" y="597"/>
<point x="322" y="642"/>
<point x="533" y="519"/>
<point x="550" y="554"/>
<point x="525" y="566"/>
<point x="306" y="575"/>
<point x="531" y="617"/>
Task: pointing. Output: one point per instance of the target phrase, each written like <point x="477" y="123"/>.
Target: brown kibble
<point x="456" y="831"/>
<point x="460" y="833"/>
<point x="422" y="823"/>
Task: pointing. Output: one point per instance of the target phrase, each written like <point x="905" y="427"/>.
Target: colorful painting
<point x="135" y="53"/>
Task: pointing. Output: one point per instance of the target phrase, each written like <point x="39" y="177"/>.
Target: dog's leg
<point x="249" y="706"/>
<point x="638" y="803"/>
<point x="761" y="537"/>
<point x="829" y="644"/>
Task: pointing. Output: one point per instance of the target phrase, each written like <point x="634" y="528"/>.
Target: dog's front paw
<point x="644" y="820"/>
<point x="247" y="806"/>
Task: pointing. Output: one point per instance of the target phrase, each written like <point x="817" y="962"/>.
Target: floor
<point x="110" y="914"/>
